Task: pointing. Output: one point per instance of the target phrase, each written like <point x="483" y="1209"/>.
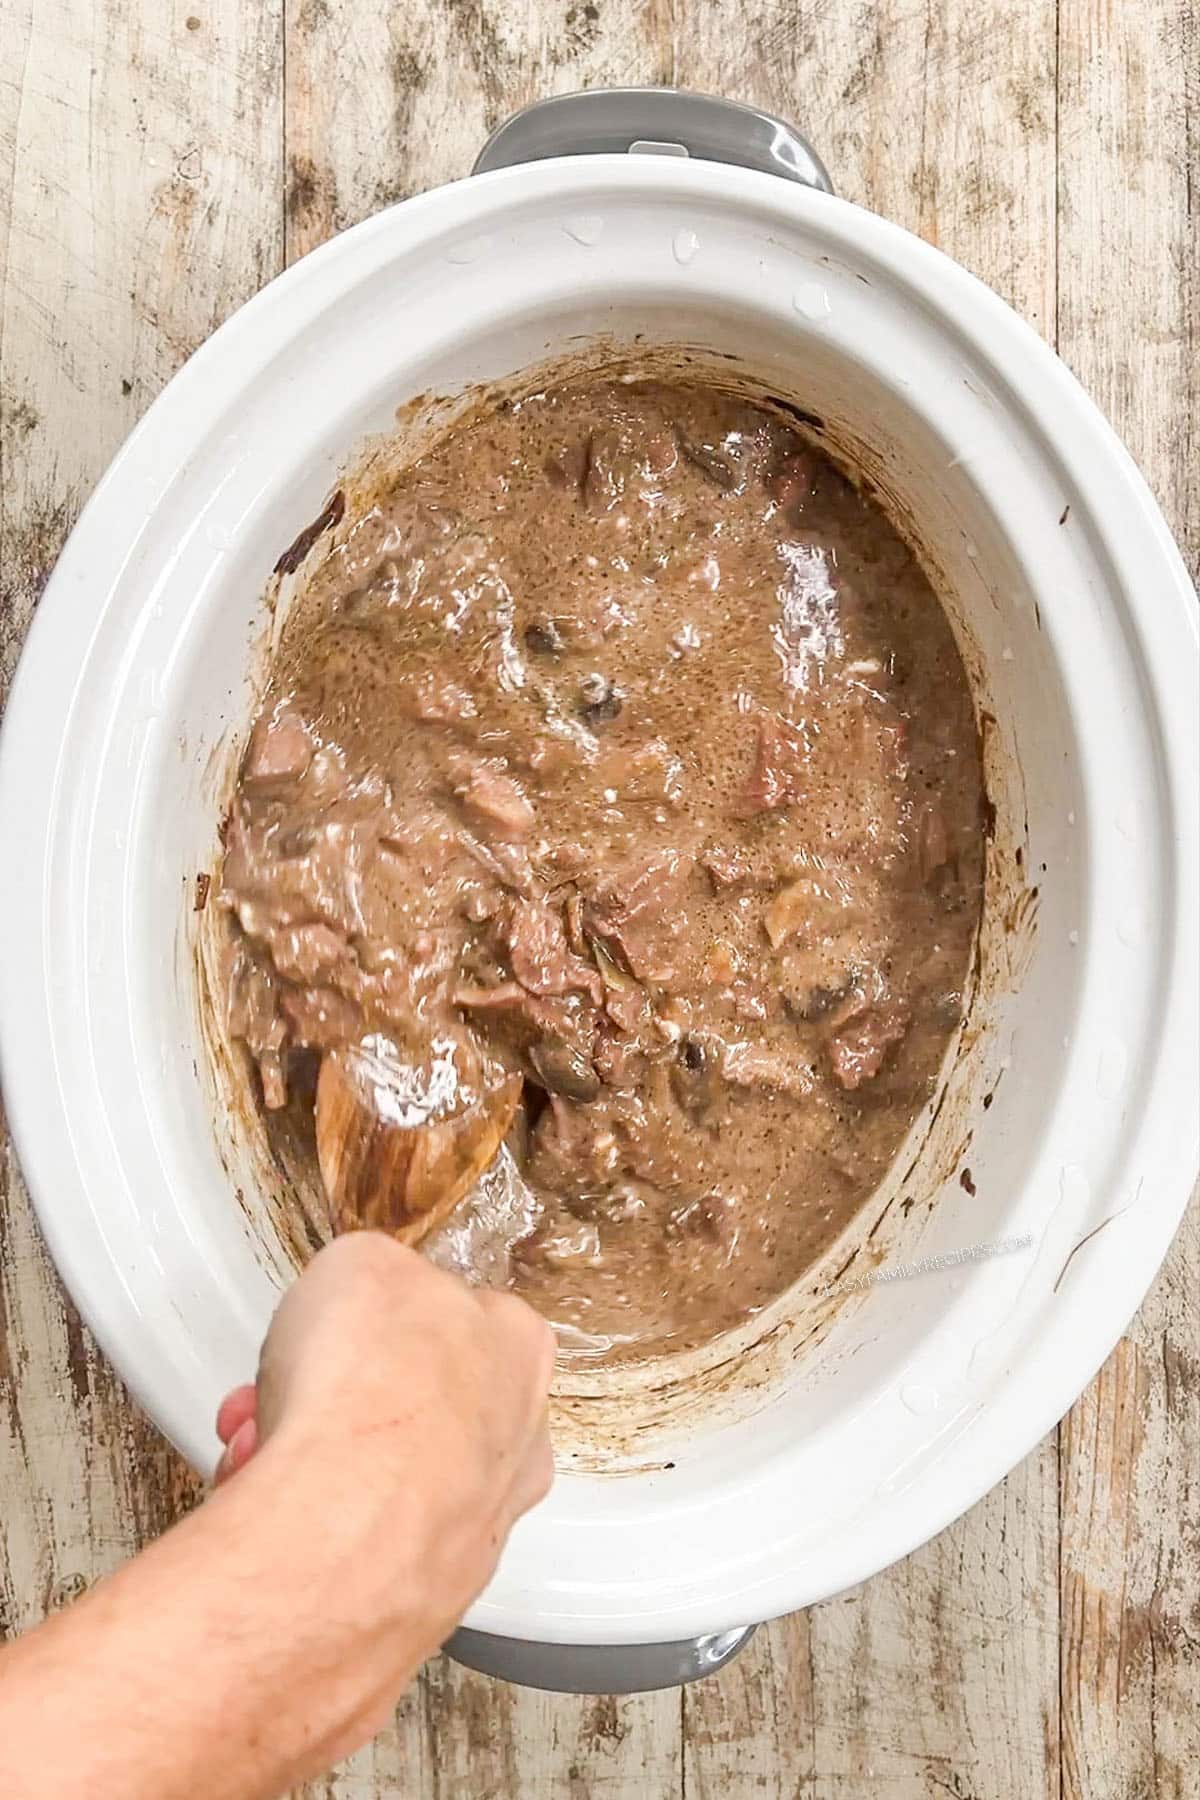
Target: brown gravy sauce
<point x="625" y="742"/>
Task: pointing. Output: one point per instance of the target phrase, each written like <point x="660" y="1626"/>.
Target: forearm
<point x="396" y="1430"/>
<point x="216" y="1663"/>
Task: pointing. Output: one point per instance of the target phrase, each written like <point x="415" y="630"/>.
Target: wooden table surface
<point x="160" y="161"/>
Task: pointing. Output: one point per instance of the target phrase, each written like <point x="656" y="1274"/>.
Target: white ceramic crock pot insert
<point x="137" y="664"/>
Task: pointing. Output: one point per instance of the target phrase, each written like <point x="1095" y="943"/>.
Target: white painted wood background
<point x="159" y="161"/>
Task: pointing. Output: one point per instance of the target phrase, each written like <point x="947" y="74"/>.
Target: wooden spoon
<point x="400" y="1146"/>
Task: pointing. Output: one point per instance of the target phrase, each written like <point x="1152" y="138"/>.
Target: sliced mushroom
<point x="815" y="1003"/>
<point x="695" y="1076"/>
<point x="718" y="465"/>
<point x="599" y="699"/>
<point x="544" y="638"/>
<point x="562" y="1068"/>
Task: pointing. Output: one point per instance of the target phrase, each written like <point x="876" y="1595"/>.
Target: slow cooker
<point x="1039" y="1192"/>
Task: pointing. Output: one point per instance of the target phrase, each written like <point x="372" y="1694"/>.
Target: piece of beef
<point x="505" y="858"/>
<point x="508" y="1014"/>
<point x="254" y="1018"/>
<point x="540" y="956"/>
<point x="752" y="1065"/>
<point x="573" y="1149"/>
<point x="505" y="997"/>
<point x="615" y="1058"/>
<point x="793" y="908"/>
<point x="858" y="1048"/>
<point x="253" y="1002"/>
<point x="633" y="909"/>
<point x="279" y="752"/>
<point x="749" y="999"/>
<point x="320" y="1018"/>
<point x="494" y="799"/>
<point x="307" y="953"/>
<point x="728" y="868"/>
<point x="628" y="1007"/>
<point x="642" y="888"/>
<point x="778" y="770"/>
<point x="651" y="773"/>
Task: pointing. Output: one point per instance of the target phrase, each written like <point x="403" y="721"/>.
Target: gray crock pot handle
<point x="598" y="1668"/>
<point x="654" y="121"/>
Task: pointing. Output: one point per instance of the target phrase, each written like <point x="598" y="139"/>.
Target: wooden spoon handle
<point x="405" y="1179"/>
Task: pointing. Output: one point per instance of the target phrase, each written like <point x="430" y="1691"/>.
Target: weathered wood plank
<point x="947" y="1666"/>
<point x="139" y="203"/>
<point x="939" y="1676"/>
<point x="1129" y="324"/>
<point x="429" y="82"/>
<point x="1129" y="233"/>
<point x="141" y="191"/>
<point x="752" y="1728"/>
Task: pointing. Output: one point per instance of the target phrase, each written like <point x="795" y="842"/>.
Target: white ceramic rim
<point x="1044" y="1380"/>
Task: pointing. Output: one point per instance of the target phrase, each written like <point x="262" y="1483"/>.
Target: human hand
<point x="237" y="1428"/>
<point x="396" y="1431"/>
<point x="406" y="1412"/>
